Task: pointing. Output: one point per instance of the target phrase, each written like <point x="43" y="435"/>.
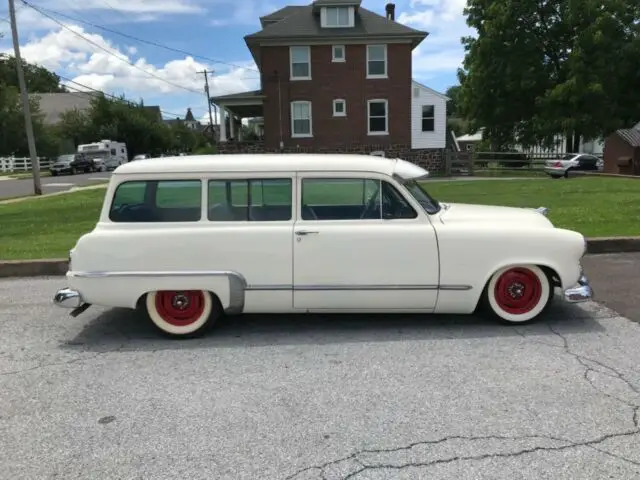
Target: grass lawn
<point x="48" y="227"/>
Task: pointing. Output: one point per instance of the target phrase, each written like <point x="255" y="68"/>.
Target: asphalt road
<point x="316" y="397"/>
<point x="24" y="187"/>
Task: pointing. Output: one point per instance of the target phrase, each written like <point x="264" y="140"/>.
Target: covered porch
<point x="236" y="107"/>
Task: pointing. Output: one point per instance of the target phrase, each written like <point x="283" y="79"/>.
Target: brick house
<point x="336" y="77"/>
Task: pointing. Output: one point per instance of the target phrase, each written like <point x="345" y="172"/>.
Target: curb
<point x="53" y="194"/>
<point x="58" y="266"/>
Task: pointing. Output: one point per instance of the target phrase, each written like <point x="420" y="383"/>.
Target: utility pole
<point x="206" y="89"/>
<point x="35" y="164"/>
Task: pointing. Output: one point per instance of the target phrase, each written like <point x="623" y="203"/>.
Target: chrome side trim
<point x="455" y="287"/>
<point x="307" y="288"/>
<point x="177" y="273"/>
<point x="237" y="282"/>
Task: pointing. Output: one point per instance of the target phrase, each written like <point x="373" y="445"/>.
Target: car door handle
<point x="306" y="232"/>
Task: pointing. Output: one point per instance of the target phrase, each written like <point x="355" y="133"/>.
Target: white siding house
<point x="428" y="117"/>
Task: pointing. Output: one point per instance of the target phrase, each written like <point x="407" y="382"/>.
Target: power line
<point x="148" y="42"/>
<point x="108" y="94"/>
<point x="122" y="59"/>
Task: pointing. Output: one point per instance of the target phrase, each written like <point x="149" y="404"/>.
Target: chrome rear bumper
<point x="67" y="298"/>
<point x="582" y="292"/>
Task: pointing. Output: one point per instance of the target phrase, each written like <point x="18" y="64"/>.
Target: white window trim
<point x="291" y="77"/>
<point x="302" y="135"/>
<point x="422" y="118"/>
<point x="344" y="112"/>
<point x="323" y="17"/>
<point x="386" y="111"/>
<point x="386" y="61"/>
<point x="333" y="53"/>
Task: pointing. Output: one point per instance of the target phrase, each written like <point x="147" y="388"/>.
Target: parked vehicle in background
<point x="112" y="153"/>
<point x="277" y="233"/>
<point x="142" y="156"/>
<point x="83" y="164"/>
<point x="62" y="165"/>
<point x="572" y="161"/>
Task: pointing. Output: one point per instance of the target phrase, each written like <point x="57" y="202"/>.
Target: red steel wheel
<point x="518" y="293"/>
<point x="180" y="312"/>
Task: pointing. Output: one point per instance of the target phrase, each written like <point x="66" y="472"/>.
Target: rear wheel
<point x="182" y="313"/>
<point x="518" y="294"/>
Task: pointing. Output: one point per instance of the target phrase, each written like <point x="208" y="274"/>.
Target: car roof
<point x="267" y="162"/>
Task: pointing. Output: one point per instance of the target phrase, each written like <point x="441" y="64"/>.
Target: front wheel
<point x="183" y="313"/>
<point x="517" y="294"/>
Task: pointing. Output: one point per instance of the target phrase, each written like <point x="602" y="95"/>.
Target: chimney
<point x="390" y="8"/>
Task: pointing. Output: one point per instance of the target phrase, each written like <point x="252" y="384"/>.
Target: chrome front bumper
<point x="68" y="298"/>
<point x="582" y="292"/>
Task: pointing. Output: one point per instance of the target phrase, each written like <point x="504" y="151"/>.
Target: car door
<point x="587" y="162"/>
<point x="360" y="244"/>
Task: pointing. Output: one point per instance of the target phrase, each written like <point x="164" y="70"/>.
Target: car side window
<point x="394" y="205"/>
<point x="352" y="199"/>
<point x="250" y="200"/>
<point x="157" y="201"/>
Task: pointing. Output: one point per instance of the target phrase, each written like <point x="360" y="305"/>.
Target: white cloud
<point x="70" y="56"/>
<point x="130" y="6"/>
<point x="441" y="52"/>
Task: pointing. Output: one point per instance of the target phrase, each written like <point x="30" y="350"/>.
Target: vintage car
<point x="187" y="240"/>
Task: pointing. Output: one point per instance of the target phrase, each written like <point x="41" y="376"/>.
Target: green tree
<point x="539" y="68"/>
<point x="37" y="79"/>
<point x="13" y="139"/>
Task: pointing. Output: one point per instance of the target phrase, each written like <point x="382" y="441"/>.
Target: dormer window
<point x="337" y="17"/>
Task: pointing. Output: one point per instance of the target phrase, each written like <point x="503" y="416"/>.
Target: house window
<point x="377" y="117"/>
<point x="339" y="108"/>
<point x="337" y="17"/>
<point x="300" y="63"/>
<point x="428" y="118"/>
<point x="376" y="61"/>
<point x="301" y="119"/>
<point x="337" y="53"/>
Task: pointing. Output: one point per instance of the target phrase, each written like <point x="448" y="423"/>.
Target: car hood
<point x="462" y="212"/>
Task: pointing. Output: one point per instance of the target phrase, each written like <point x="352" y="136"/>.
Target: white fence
<point x="17" y="164"/>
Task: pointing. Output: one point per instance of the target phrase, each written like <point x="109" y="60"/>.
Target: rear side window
<point x="157" y="201"/>
<point x="250" y="200"/>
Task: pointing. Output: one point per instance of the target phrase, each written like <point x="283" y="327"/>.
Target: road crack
<point x="592" y="368"/>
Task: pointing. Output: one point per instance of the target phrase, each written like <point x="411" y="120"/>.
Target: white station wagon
<point x="189" y="239"/>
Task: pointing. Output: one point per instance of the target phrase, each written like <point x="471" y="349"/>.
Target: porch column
<point x="232" y="122"/>
<point x="240" y="131"/>
<point x="223" y="124"/>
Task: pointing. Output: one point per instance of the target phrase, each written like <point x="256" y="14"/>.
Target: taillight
<point x="558" y="164"/>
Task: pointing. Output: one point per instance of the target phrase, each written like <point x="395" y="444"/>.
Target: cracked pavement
<point x="316" y="397"/>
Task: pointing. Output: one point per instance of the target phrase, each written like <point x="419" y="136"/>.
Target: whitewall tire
<point x="181" y="313"/>
<point x="518" y="293"/>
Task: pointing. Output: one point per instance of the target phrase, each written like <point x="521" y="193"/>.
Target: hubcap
<point x="180" y="308"/>
<point x="518" y="291"/>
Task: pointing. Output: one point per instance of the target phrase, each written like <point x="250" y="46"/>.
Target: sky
<point x="83" y="41"/>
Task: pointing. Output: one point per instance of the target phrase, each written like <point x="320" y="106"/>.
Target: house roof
<point x="301" y="22"/>
<point x="280" y="14"/>
<point x="251" y="94"/>
<point x="336" y="3"/>
<point x="430" y="90"/>
<point x="630" y="135"/>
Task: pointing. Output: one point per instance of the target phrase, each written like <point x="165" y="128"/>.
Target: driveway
<point x="24" y="187"/>
<point x="316" y="397"/>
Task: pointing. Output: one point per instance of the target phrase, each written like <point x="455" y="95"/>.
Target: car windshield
<point x="426" y="201"/>
<point x="65" y="158"/>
